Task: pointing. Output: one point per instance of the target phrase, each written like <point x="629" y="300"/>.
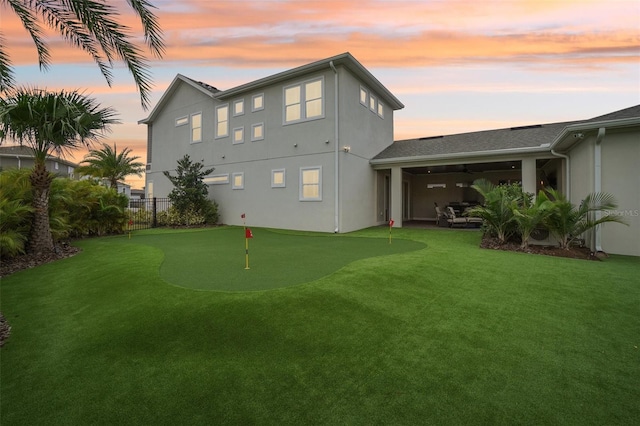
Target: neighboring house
<point x="136" y="194"/>
<point x="312" y="149"/>
<point x="21" y="157"/>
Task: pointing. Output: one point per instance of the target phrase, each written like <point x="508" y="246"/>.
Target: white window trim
<point x="301" y="196"/>
<point x="220" y="136"/>
<point x="380" y="109"/>
<point x="191" y="128"/>
<point x="233" y="180"/>
<point x="235" y="142"/>
<point x="238" y="101"/>
<point x="366" y="98"/>
<point x="284" y="178"/>
<point x="219" y="179"/>
<point x="253" y="98"/>
<point x="182" y="121"/>
<point x="303" y="112"/>
<point x="253" y="126"/>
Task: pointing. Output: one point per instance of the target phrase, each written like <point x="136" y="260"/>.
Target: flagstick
<point x="389" y="234"/>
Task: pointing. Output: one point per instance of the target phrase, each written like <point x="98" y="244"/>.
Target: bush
<point x="190" y="217"/>
<point x="76" y="209"/>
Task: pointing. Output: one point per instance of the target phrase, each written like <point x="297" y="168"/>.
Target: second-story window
<point x="196" y="127"/>
<point x="304" y="101"/>
<point x="222" y="121"/>
<point x="238" y="107"/>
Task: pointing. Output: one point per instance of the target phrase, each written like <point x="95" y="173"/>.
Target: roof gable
<point x="177" y="81"/>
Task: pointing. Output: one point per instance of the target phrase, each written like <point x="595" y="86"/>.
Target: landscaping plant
<point x="497" y="211"/>
<point x="49" y="122"/>
<point x="567" y="222"/>
<point x="190" y="205"/>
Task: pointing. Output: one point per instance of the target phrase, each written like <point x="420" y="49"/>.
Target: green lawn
<point x="432" y="330"/>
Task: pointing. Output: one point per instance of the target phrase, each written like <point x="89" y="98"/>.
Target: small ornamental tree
<point x="189" y="195"/>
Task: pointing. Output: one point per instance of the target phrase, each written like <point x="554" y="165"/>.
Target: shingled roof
<point x="539" y="136"/>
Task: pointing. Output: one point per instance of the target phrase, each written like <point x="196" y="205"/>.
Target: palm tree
<point x="90" y="25"/>
<point x="106" y="163"/>
<point x="49" y="122"/>
<point x="567" y="222"/>
<point x="498" y="207"/>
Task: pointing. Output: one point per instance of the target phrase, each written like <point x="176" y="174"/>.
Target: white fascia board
<point x="459" y="155"/>
<point x="593" y="125"/>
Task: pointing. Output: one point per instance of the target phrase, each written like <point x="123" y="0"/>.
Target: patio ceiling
<point x="465" y="168"/>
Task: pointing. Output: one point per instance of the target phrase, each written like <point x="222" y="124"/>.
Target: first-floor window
<point x="311" y="183"/>
<point x="278" y="178"/>
<point x="216" y="179"/>
<point x="237" y="181"/>
<point x="150" y="189"/>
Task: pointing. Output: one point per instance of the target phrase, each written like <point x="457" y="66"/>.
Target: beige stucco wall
<point x="620" y="151"/>
<point x="621" y="177"/>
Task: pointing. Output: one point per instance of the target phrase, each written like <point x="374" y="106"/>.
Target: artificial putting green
<point x="214" y="259"/>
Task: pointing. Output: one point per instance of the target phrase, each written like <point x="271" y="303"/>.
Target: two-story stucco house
<point x="290" y="151"/>
<point x="312" y="149"/>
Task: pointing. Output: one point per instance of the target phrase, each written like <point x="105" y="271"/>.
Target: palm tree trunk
<point x="40" y="240"/>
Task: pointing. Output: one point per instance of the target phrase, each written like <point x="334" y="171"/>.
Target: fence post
<point x="155" y="213"/>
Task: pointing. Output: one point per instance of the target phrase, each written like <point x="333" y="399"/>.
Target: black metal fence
<point x="143" y="212"/>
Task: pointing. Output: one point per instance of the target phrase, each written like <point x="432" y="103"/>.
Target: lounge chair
<point x="454" y="220"/>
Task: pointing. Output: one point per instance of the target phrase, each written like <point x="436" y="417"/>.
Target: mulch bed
<point x="573" y="252"/>
<point x="28" y="261"/>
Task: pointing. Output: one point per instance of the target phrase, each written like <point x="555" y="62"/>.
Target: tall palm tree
<point x="90" y="25"/>
<point x="106" y="163"/>
<point x="49" y="122"/>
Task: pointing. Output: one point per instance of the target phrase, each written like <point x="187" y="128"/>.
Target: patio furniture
<point x="454" y="220"/>
<point x="441" y="217"/>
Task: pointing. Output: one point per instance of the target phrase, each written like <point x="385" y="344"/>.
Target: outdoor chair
<point x="455" y="220"/>
<point x="441" y="217"/>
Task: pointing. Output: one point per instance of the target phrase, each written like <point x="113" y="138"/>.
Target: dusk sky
<point x="458" y="66"/>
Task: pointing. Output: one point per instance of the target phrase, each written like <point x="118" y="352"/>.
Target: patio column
<point x="529" y="176"/>
<point x="396" y="196"/>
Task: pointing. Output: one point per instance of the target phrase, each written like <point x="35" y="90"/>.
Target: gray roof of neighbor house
<point x="26" y="152"/>
<point x="344" y="59"/>
<point x="538" y="137"/>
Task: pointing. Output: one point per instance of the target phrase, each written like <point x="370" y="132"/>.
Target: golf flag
<point x="242" y="216"/>
<point x="247" y="235"/>
<point x="391" y="222"/>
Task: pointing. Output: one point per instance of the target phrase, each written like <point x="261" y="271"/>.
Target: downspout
<point x="19" y="162"/>
<point x="597" y="183"/>
<point x="567" y="174"/>
<point x="336" y="153"/>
